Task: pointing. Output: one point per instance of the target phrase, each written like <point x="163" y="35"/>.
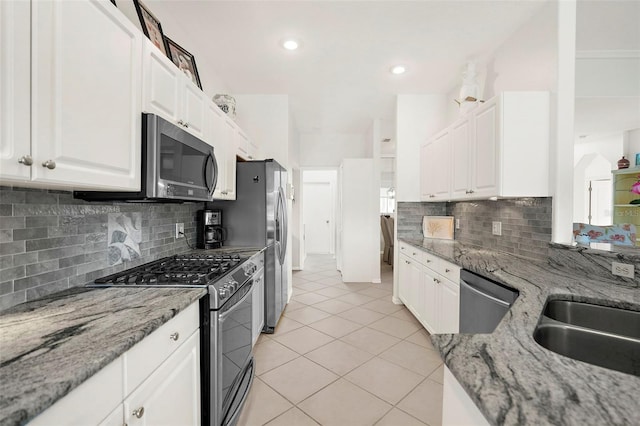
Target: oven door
<point x="231" y="382"/>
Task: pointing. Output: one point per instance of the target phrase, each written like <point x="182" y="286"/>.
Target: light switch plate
<point x="622" y="269"/>
<point x="496" y="228"/>
<point x="457" y="223"/>
<point x="179" y="230"/>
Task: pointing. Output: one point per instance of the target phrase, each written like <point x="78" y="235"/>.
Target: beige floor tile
<point x="307" y="315"/>
<point x="263" y="337"/>
<point x="262" y="405"/>
<point x="309" y="286"/>
<point x="396" y="417"/>
<point x="332" y="292"/>
<point x="298" y="379"/>
<point x="311" y="298"/>
<point x="293" y="305"/>
<point x="376" y="292"/>
<point x="344" y="404"/>
<point x="384" y="379"/>
<point x="425" y="403"/>
<point x="293" y="417"/>
<point x="339" y="357"/>
<point x="395" y="327"/>
<point x="438" y="375"/>
<point x="386" y="307"/>
<point x="372" y="341"/>
<point x="414" y="357"/>
<point x="271" y="354"/>
<point x="335" y="326"/>
<point x="314" y="277"/>
<point x="356" y="298"/>
<point x="405" y="314"/>
<point x="361" y="315"/>
<point x="421" y="338"/>
<point x="303" y="340"/>
<point x="356" y="287"/>
<point x="334" y="306"/>
<point x="332" y="281"/>
<point x="285" y="325"/>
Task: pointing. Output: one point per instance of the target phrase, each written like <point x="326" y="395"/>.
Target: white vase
<point x="227" y="104"/>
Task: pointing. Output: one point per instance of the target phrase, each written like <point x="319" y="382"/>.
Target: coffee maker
<point x="210" y="233"/>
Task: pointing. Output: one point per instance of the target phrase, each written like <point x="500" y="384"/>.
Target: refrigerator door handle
<point x="284" y="225"/>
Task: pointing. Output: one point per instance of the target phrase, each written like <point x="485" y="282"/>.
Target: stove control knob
<point x="233" y="285"/>
<point x="223" y="293"/>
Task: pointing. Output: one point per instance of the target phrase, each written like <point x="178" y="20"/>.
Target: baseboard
<point x="396" y="301"/>
<point x="296" y="268"/>
<point x="376" y="281"/>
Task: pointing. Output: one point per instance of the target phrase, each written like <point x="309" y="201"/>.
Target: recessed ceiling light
<point x="290" y="44"/>
<point x="398" y="69"/>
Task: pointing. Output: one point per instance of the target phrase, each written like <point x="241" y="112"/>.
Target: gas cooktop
<point x="182" y="270"/>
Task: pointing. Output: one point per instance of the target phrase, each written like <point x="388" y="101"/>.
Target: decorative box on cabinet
<point x="169" y="93"/>
<point x="72" y="117"/>
<point x="158" y="378"/>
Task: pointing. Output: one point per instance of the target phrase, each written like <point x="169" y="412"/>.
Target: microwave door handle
<point x="211" y="188"/>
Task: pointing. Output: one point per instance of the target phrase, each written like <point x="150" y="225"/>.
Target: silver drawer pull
<point x="139" y="412"/>
<point x="180" y="122"/>
<point x="26" y="160"/>
<point x="428" y="261"/>
<point x="175" y="336"/>
<point x="49" y="164"/>
<point x="436" y="280"/>
<point x="447" y="270"/>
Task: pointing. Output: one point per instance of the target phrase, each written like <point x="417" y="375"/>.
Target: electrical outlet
<point x="457" y="223"/>
<point x="496" y="228"/>
<point x="622" y="269"/>
<point x="179" y="230"/>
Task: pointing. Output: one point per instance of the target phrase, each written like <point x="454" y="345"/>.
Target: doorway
<point x="318" y="211"/>
<point x="600" y="202"/>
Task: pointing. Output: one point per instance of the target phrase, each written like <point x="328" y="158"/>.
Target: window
<point x="387" y="200"/>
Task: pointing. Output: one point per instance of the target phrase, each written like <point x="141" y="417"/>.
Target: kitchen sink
<point x="599" y="335"/>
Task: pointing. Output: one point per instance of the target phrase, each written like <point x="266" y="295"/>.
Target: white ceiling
<point x="339" y="80"/>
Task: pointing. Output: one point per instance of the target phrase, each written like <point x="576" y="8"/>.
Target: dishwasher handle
<point x="485" y="295"/>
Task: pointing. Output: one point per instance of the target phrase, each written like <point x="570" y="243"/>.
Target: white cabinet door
<point x="485" y="148"/>
<point x="427" y="171"/>
<point x="430" y="317"/>
<point x="461" y="175"/>
<point x="416" y="289"/>
<point x="216" y="135"/>
<point x="193" y="108"/>
<point x="404" y="279"/>
<point x="86" y="95"/>
<point x="257" y="306"/>
<point x="442" y="166"/>
<point x="162" y="84"/>
<point x="449" y="307"/>
<point x="15" y="81"/>
<point x="232" y="149"/>
<point x="243" y="145"/>
<point x="171" y="394"/>
<point x="116" y="418"/>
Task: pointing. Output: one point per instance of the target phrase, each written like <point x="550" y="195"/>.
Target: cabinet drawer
<point x="412" y="252"/>
<point x="448" y="270"/>
<point x="142" y="359"/>
<point x="430" y="261"/>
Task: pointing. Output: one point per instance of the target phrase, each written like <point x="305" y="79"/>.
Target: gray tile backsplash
<point x="526" y="223"/>
<point x="50" y="241"/>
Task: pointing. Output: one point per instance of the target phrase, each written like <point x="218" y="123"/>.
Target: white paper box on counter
<point x="439" y="227"/>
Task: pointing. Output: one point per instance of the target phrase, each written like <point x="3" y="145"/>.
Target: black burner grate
<point x="182" y="269"/>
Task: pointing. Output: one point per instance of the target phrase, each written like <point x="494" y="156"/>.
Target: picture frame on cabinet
<point x="151" y="26"/>
<point x="183" y="60"/>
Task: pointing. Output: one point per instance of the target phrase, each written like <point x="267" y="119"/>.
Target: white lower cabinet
<point x="157" y="381"/>
<point x="457" y="407"/>
<point x="430" y="288"/>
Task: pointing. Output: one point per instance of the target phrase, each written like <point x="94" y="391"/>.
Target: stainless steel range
<point x="225" y="320"/>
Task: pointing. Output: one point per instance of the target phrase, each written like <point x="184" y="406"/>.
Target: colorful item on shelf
<point x="623" y="163"/>
<point x="622" y="234"/>
<point x="635" y="188"/>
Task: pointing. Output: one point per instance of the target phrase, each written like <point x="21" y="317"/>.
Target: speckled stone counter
<point x="511" y="378"/>
<point x="50" y="346"/>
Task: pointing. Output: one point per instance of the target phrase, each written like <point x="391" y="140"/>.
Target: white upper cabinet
<point x="500" y="149"/>
<point x="220" y="134"/>
<point x="169" y="93"/>
<point x="436" y="167"/>
<point x="79" y="125"/>
<point x="15" y="81"/>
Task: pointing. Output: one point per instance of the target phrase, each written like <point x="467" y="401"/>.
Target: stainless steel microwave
<point x="176" y="166"/>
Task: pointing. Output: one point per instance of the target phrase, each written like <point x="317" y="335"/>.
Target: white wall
<point x="329" y="150"/>
<point x="632" y="144"/>
<point x="417" y="118"/>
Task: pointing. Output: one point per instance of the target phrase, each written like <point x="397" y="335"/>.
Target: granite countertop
<point x="511" y="378"/>
<point x="50" y="346"/>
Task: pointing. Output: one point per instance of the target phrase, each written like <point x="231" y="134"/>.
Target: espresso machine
<point x="210" y="233"/>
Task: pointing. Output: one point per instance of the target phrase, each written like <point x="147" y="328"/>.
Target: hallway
<point x="344" y="354"/>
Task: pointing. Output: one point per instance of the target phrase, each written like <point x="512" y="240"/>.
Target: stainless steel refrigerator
<point x="258" y="218"/>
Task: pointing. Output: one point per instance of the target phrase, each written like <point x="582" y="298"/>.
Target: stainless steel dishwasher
<point x="483" y="302"/>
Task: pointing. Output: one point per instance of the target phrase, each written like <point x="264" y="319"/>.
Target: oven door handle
<point x="224" y="315"/>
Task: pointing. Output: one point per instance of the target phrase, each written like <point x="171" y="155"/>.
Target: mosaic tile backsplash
<point x="49" y="241"/>
<point x="526" y="223"/>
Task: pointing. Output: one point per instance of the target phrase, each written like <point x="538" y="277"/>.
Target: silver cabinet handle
<point x="180" y="122"/>
<point x="436" y="280"/>
<point x="49" y="164"/>
<point x="175" y="336"/>
<point x="26" y="160"/>
<point x="186" y="125"/>
<point x="139" y="412"/>
<point x="407" y="262"/>
<point x="471" y="191"/>
<point x="428" y="261"/>
<point x="447" y="270"/>
<point x="431" y="196"/>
